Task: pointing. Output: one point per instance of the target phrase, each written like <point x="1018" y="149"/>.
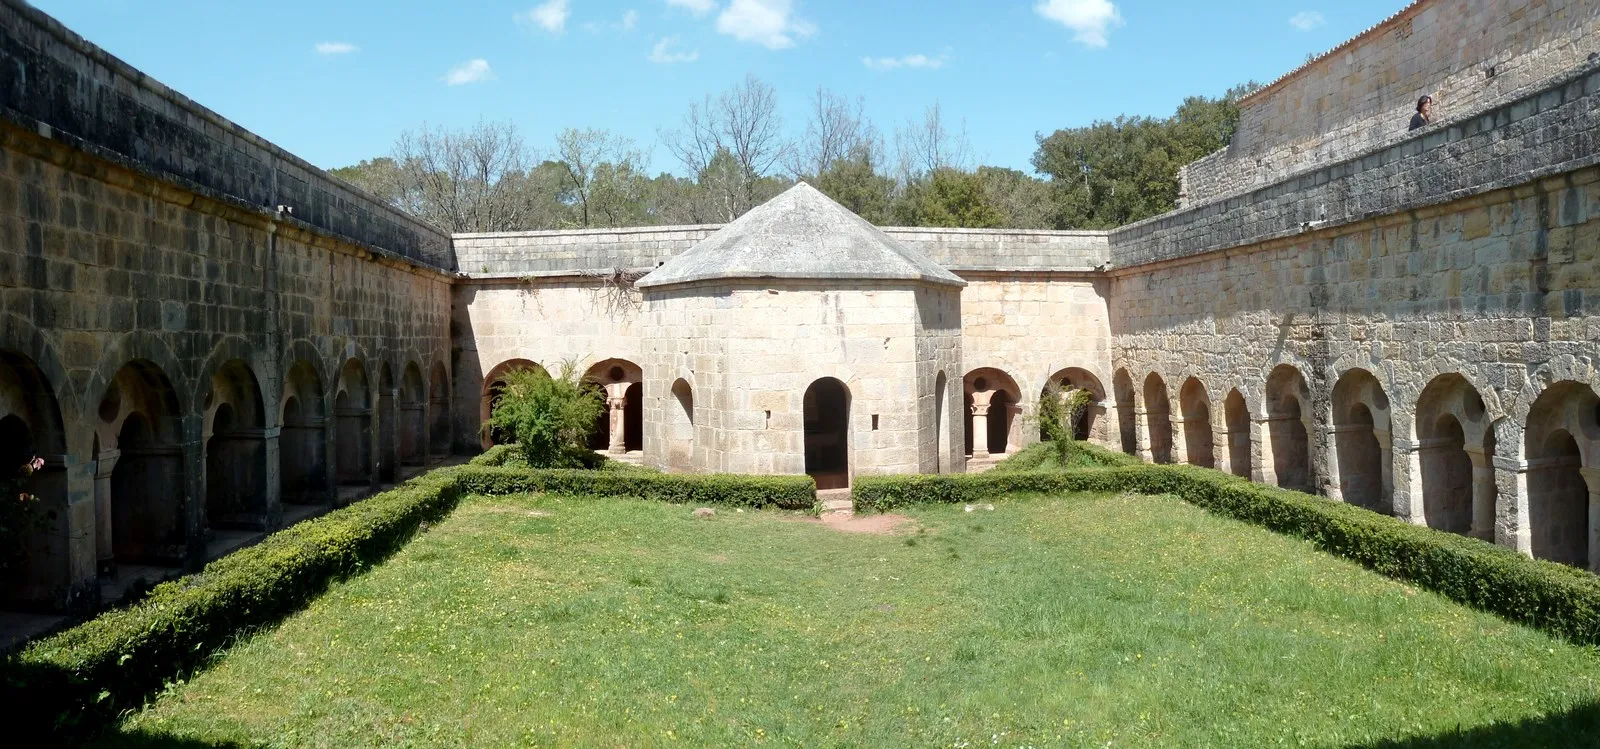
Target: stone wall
<point x="555" y="253"/>
<point x="1343" y="331"/>
<point x="546" y="321"/>
<point x="751" y="351"/>
<point x="1030" y="327"/>
<point x="54" y="83"/>
<point x="1471" y="55"/>
<point x="1549" y="132"/>
<point x="162" y="335"/>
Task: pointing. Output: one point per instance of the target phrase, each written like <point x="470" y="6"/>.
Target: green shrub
<point x="1561" y="600"/>
<point x="549" y="417"/>
<point x="496" y="455"/>
<point x="788" y="492"/>
<point x="83" y="676"/>
<point x="1045" y="456"/>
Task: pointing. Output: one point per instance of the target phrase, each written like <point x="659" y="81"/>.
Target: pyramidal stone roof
<point x="799" y="234"/>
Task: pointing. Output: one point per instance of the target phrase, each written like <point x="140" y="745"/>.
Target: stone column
<point x="105" y="549"/>
<point x="980" y="428"/>
<point x="1262" y="468"/>
<point x="1591" y="476"/>
<point x="1221" y="447"/>
<point x="1141" y="434"/>
<point x="1483" y="494"/>
<point x="1330" y="437"/>
<point x="1401" y="461"/>
<point x="1179" y="439"/>
<point x="1511" y="509"/>
<point x="619" y="425"/>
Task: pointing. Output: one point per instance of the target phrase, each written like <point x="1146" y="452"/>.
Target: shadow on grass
<point x="149" y="740"/>
<point x="1579" y="726"/>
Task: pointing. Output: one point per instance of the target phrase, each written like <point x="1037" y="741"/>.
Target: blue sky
<point x="336" y="81"/>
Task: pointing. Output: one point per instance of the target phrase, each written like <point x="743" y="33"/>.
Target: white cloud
<point x="551" y="16"/>
<point x="663" y="54"/>
<point x="336" y="48"/>
<point x="630" y="19"/>
<point x="1089" y="20"/>
<point x="908" y="61"/>
<point x="697" y="7"/>
<point x="1307" y="20"/>
<point x="471" y="71"/>
<point x="769" y="23"/>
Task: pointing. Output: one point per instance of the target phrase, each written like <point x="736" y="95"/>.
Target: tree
<point x="549" y="418"/>
<point x="1116" y="172"/>
<point x="732" y="143"/>
<point x="596" y="162"/>
<point x="950" y="198"/>
<point x="928" y="146"/>
<point x="460" y="181"/>
<point x="855" y="183"/>
<point x="837" y="130"/>
<point x="1024" y="202"/>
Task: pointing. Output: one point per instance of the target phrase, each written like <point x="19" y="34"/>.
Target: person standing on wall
<point x="1424" y="115"/>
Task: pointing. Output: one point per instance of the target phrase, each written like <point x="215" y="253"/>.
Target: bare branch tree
<point x="837" y="129"/>
<point x="741" y="126"/>
<point x="932" y="145"/>
<point x="463" y="181"/>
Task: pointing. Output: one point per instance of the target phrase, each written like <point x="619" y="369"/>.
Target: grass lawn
<point x="1068" y="620"/>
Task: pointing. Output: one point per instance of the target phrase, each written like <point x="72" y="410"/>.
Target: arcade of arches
<point x="171" y="481"/>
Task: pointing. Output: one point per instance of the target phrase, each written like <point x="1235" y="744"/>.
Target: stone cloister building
<point x="205" y="337"/>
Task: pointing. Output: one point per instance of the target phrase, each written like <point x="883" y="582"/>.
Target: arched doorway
<point x="1288" y="414"/>
<point x="302" y="443"/>
<point x="991" y="399"/>
<point x="680" y="428"/>
<point x="1563" y="423"/>
<point x="620" y="427"/>
<point x="1158" y="418"/>
<point x="827" y="433"/>
<point x="1122" y="388"/>
<point x="145" y="487"/>
<point x="236" y="450"/>
<point x="31" y="427"/>
<point x="1238" y="416"/>
<point x="413" y="417"/>
<point x="1088" y="421"/>
<point x="1455" y="444"/>
<point x="352" y="411"/>
<point x="384" y="417"/>
<point x="439" y="411"/>
<point x="941" y="423"/>
<point x="1361" y="440"/>
<point x="1197" y="439"/>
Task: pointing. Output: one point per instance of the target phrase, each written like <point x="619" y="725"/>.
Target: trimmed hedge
<point x="506" y="456"/>
<point x="76" y="681"/>
<point x="82" y="677"/>
<point x="1558" y="599"/>
<point x="1080" y="454"/>
<point x="788" y="492"/>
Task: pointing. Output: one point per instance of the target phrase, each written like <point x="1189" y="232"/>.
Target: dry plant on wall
<point x="614" y="289"/>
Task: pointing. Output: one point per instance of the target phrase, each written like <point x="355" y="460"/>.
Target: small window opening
<point x="874" y="422"/>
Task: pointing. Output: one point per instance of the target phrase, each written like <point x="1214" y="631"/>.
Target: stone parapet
<point x="57" y="84"/>
<point x="1548" y="132"/>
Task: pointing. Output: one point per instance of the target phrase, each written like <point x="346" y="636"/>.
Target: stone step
<point x="836" y="500"/>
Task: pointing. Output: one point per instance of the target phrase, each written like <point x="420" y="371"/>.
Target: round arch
<point x="995" y="393"/>
<point x="827" y="433"/>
